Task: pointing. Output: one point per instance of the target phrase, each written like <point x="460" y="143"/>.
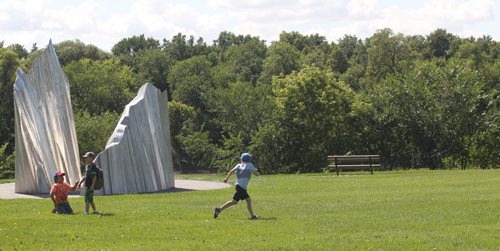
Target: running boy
<point x="59" y="194"/>
<point x="243" y="172"/>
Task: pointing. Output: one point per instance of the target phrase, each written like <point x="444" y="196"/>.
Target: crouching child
<point x="59" y="194"/>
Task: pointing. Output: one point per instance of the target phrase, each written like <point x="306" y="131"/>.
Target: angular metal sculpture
<point x="44" y="125"/>
<point x="138" y="156"/>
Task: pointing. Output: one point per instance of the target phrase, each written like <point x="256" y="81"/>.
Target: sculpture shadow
<point x="177" y="190"/>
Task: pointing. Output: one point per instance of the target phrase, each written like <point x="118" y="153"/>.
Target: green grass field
<point x="6" y="181"/>
<point x="409" y="210"/>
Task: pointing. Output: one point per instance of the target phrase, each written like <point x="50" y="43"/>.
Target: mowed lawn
<point x="407" y="210"/>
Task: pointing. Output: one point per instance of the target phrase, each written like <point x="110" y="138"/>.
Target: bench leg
<point x="336" y="167"/>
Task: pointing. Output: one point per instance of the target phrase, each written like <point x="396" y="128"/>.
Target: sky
<point x="104" y="23"/>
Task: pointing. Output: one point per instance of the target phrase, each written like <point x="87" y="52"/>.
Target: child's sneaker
<point x="254" y="217"/>
<point x="216" y="212"/>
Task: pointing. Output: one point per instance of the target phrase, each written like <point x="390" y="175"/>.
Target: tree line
<point x="418" y="101"/>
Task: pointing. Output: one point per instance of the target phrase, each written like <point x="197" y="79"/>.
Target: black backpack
<point x="99" y="182"/>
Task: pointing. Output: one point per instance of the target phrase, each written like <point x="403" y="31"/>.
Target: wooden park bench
<point x="354" y="162"/>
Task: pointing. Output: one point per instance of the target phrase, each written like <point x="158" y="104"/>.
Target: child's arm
<point x="256" y="172"/>
<point x="52" y="196"/>
<point x="81" y="181"/>
<point x="228" y="175"/>
<point x="77" y="184"/>
<point x="94" y="178"/>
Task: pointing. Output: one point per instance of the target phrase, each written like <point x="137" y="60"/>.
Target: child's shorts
<point x="89" y="196"/>
<point x="64" y="208"/>
<point x="241" y="193"/>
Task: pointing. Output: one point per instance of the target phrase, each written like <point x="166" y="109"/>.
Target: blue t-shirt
<point x="243" y="173"/>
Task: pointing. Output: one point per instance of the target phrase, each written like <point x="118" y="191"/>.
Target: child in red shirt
<point x="59" y="194"/>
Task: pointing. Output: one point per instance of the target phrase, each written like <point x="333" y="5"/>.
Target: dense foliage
<point x="418" y="101"/>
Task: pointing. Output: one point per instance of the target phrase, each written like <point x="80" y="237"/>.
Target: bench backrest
<point x="355" y="158"/>
<point x="354" y="162"/>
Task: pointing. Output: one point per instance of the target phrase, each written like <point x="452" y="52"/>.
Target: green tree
<point x="68" y="51"/>
<point x="268" y="148"/>
<point x="303" y="43"/>
<point x="191" y="81"/>
<point x="21" y="52"/>
<point x="312" y="107"/>
<point x="481" y="52"/>
<point x="228" y="154"/>
<point x="386" y="53"/>
<point x="192" y="85"/>
<point x="408" y="118"/>
<point x="8" y="65"/>
<point x="240" y="108"/>
<point x="181" y="49"/>
<point x="317" y="56"/>
<point x="282" y="59"/>
<point x="100" y="86"/>
<point x="485" y="145"/>
<point x="7" y="163"/>
<point x="357" y="56"/>
<point x="128" y="48"/>
<point x="462" y="98"/>
<point x="93" y="131"/>
<point x="246" y="59"/>
<point x="337" y="60"/>
<point x="154" y="66"/>
<point x="182" y="119"/>
<point x="313" y="48"/>
<point x="200" y="152"/>
<point x="223" y="42"/>
<point x="439" y="43"/>
<point x="224" y="73"/>
<point x="34" y="48"/>
<point x="349" y="44"/>
<point x="428" y="115"/>
<point x="227" y="39"/>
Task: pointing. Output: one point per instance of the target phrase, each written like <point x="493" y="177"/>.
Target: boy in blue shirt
<point x="243" y="172"/>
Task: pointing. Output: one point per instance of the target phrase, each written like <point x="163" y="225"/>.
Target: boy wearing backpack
<point x="90" y="178"/>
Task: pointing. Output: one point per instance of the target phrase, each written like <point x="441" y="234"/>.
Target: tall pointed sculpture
<point x="138" y="156"/>
<point x="44" y="125"/>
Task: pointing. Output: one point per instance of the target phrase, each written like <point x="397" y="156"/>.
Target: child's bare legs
<point x="224" y="206"/>
<point x="87" y="207"/>
<point x="249" y="206"/>
<point x="229" y="203"/>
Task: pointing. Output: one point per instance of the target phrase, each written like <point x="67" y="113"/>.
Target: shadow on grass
<point x="106" y="214"/>
<point x="265" y="218"/>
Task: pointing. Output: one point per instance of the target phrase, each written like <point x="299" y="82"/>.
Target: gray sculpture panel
<point x="45" y="137"/>
<point x="138" y="155"/>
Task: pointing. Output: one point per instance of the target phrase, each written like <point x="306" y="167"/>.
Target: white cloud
<point x="104" y="23"/>
<point x="456" y="11"/>
<point x="362" y="8"/>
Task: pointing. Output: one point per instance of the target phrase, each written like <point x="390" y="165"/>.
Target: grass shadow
<point x="265" y="218"/>
<point x="106" y="214"/>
